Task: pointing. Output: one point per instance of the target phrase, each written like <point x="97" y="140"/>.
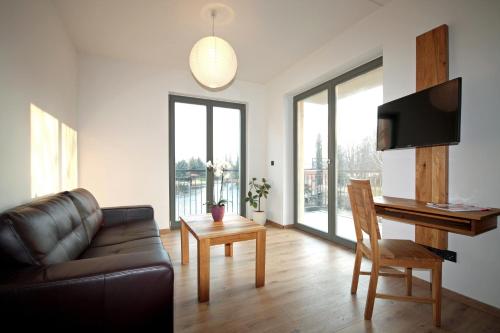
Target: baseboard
<point x="278" y="225"/>
<point x="453" y="295"/>
<point x="473" y="303"/>
<point x="164" y="231"/>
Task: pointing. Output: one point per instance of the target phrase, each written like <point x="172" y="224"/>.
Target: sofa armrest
<point x="119" y="291"/>
<point x="118" y="215"/>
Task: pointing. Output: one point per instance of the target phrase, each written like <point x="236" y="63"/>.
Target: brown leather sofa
<point x="66" y="264"/>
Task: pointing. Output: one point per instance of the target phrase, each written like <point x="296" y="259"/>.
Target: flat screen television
<point x="430" y="117"/>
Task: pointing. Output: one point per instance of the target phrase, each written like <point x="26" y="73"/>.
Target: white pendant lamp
<point x="213" y="61"/>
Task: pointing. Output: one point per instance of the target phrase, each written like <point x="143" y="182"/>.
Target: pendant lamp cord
<point x="213" y="20"/>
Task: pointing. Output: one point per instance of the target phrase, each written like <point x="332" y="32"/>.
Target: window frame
<point x="330" y="86"/>
<point x="209" y="104"/>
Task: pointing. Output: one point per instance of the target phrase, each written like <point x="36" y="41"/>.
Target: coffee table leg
<point x="203" y="270"/>
<point x="229" y="249"/>
<point x="184" y="244"/>
<point x="260" y="260"/>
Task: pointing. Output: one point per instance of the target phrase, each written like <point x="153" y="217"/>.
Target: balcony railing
<point x="191" y="191"/>
<point x="316" y="187"/>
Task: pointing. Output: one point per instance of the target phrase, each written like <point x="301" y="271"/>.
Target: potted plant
<point x="261" y="190"/>
<point x="217" y="208"/>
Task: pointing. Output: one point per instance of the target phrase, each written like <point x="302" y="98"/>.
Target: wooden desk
<point x="207" y="232"/>
<point x="417" y="213"/>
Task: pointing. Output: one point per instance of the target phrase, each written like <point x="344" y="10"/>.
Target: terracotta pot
<point x="218" y="213"/>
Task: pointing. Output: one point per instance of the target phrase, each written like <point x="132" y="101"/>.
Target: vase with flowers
<point x="217" y="208"/>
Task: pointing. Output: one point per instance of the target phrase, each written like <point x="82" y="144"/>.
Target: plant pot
<point x="218" y="213"/>
<point x="259" y="217"/>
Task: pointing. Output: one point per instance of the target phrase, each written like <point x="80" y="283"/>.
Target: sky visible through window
<point x="315" y="123"/>
<point x="191" y="133"/>
<point x="356" y="115"/>
<point x="226" y="135"/>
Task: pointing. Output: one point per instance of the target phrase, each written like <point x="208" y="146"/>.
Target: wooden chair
<point x="389" y="253"/>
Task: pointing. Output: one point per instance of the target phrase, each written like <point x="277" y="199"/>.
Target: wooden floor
<point x="307" y="290"/>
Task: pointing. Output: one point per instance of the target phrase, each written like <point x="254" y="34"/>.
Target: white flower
<point x="218" y="167"/>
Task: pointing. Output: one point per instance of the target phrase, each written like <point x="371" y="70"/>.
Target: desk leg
<point x="184" y="244"/>
<point x="228" y="249"/>
<point x="260" y="260"/>
<point x="203" y="270"/>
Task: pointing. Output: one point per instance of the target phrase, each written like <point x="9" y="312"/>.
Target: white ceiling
<point x="267" y="35"/>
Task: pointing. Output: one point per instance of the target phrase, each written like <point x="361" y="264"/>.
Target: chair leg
<point x="436" y="294"/>
<point x="408" y="279"/>
<point x="372" y="290"/>
<point x="355" y="273"/>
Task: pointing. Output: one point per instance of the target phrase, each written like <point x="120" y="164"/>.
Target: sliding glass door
<point x="335" y="140"/>
<point x="356" y="102"/>
<point x="312" y="161"/>
<point x="203" y="130"/>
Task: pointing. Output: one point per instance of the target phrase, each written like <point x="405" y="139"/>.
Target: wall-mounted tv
<point x="430" y="117"/>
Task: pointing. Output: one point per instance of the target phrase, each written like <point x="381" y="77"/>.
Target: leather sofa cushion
<point x="89" y="210"/>
<point x="125" y="232"/>
<point x="44" y="232"/>
<point x="139" y="245"/>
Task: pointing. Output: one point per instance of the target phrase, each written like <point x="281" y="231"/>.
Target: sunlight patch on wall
<point x="69" y="158"/>
<point x="44" y="152"/>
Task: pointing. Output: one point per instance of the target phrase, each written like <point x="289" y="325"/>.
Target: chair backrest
<point x="363" y="211"/>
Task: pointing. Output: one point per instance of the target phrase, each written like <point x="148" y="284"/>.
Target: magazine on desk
<point x="450" y="207"/>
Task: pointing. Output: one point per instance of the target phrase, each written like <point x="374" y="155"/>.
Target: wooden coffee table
<point x="207" y="232"/>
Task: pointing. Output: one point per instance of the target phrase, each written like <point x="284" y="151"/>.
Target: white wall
<point x="38" y="65"/>
<point x="123" y="125"/>
<point x="475" y="55"/>
<point x="123" y="112"/>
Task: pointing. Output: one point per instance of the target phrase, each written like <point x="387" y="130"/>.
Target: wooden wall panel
<point x="431" y="169"/>
<point x="432" y="57"/>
